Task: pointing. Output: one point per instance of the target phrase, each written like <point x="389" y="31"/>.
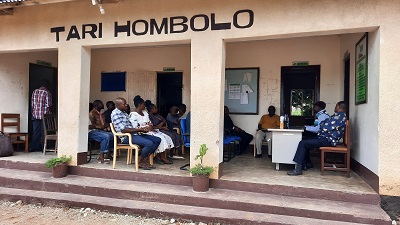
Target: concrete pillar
<point x="207" y="100"/>
<point x="73" y="98"/>
<point x="389" y="108"/>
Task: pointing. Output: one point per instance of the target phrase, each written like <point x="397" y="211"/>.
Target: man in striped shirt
<point x="41" y="102"/>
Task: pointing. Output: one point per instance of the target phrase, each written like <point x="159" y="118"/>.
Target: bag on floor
<point x="6" y="147"/>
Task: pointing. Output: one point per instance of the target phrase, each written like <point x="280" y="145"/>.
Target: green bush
<point x="200" y="169"/>
<point x="53" y="162"/>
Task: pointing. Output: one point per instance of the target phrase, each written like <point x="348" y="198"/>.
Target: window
<point x="301" y="102"/>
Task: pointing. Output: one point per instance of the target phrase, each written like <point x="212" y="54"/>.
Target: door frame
<point x="288" y="69"/>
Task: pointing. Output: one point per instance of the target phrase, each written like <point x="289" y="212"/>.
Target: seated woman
<point x="173" y="121"/>
<point x="140" y="118"/>
<point x="160" y="123"/>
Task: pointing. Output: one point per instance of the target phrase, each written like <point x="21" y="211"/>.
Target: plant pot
<point x="201" y="183"/>
<point x="60" y="170"/>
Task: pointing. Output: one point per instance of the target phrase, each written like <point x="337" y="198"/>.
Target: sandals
<point x="177" y="157"/>
<point x="104" y="161"/>
<point x="167" y="161"/>
<point x="146" y="167"/>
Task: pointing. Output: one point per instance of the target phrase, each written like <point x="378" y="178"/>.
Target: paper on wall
<point x="247" y="77"/>
<point x="234" y="91"/>
<point x="244" y="95"/>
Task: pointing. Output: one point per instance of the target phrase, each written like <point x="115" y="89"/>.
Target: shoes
<point x="297" y="171"/>
<point x="177" y="157"/>
<point x="307" y="166"/>
<point x="158" y="161"/>
<point x="258" y="156"/>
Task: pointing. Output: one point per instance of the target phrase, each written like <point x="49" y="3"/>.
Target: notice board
<point x="361" y="84"/>
<point x="113" y="81"/>
<point x="241" y="90"/>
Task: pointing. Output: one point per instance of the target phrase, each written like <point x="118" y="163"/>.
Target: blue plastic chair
<point x="184" y="134"/>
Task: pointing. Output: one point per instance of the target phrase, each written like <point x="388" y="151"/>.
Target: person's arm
<point x="315" y="129"/>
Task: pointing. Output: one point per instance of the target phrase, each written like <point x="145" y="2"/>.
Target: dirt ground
<point x="391" y="205"/>
<point x="19" y="213"/>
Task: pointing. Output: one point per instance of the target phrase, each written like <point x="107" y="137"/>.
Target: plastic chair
<point x="50" y="131"/>
<point x="129" y="147"/>
<point x="11" y="120"/>
<point x="185" y="136"/>
<point x="343" y="148"/>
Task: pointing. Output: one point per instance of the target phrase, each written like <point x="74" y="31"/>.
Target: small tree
<point x="200" y="169"/>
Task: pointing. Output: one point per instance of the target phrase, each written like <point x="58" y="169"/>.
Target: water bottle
<point x="286" y="121"/>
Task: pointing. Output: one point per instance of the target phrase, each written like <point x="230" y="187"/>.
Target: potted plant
<point x="201" y="173"/>
<point x="59" y="166"/>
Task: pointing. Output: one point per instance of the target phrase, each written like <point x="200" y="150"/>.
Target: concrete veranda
<point x="243" y="168"/>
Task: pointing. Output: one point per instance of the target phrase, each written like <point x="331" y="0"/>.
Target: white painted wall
<point x="14" y="81"/>
<point x="364" y="118"/>
<point x="270" y="55"/>
<point x="137" y="62"/>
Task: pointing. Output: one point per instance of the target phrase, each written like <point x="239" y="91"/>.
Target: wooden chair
<point x="50" y="131"/>
<point x="344" y="149"/>
<point x="129" y="147"/>
<point x="12" y="120"/>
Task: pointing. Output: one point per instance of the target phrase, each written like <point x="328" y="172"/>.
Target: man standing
<point x="41" y="102"/>
<point x="98" y="132"/>
<point x="330" y="132"/>
<point x="245" y="138"/>
<point x="270" y="120"/>
<point x="122" y="125"/>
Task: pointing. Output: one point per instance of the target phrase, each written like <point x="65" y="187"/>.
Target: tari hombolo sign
<point x="241" y="19"/>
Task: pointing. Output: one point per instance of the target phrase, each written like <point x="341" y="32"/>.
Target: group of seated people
<point x="150" y="130"/>
<point x="156" y="134"/>
<point x="326" y="131"/>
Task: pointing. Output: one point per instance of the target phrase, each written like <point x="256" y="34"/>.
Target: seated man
<point x="330" y="132"/>
<point x="310" y="132"/>
<point x="270" y="120"/>
<point x="107" y="114"/>
<point x="236" y="131"/>
<point x="97" y="132"/>
<point x="122" y="125"/>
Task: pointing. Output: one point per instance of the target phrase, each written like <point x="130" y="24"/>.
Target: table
<point x="284" y="145"/>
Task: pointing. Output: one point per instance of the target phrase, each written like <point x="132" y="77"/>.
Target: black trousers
<point x="306" y="145"/>
<point x="245" y="139"/>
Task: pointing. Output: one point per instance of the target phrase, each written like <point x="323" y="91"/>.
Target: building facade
<point x="201" y="39"/>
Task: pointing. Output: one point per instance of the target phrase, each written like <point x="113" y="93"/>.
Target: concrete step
<point x="183" y="195"/>
<point x="282" y="190"/>
<point x="156" y="209"/>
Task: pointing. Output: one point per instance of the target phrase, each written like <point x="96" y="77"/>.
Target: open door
<point x="300" y="87"/>
<point x="169" y="91"/>
<point x="37" y="73"/>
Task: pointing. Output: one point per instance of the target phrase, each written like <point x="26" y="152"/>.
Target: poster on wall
<point x="361" y="84"/>
<point x="241" y="90"/>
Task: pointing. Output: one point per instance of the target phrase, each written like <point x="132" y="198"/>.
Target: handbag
<point x="6" y="147"/>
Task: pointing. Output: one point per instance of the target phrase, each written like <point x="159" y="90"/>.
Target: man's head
<point x="182" y="109"/>
<point x="318" y="106"/>
<point x="44" y="83"/>
<point x="271" y="110"/>
<point x="120" y="103"/>
<point x="226" y="110"/>
<point x="110" y="105"/>
<point x="341" y="107"/>
<point x="98" y="105"/>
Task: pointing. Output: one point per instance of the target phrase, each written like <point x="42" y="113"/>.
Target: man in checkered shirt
<point x="41" y="102"/>
<point x="122" y="124"/>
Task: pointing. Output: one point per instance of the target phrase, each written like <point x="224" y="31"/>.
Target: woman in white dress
<point x="140" y="118"/>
